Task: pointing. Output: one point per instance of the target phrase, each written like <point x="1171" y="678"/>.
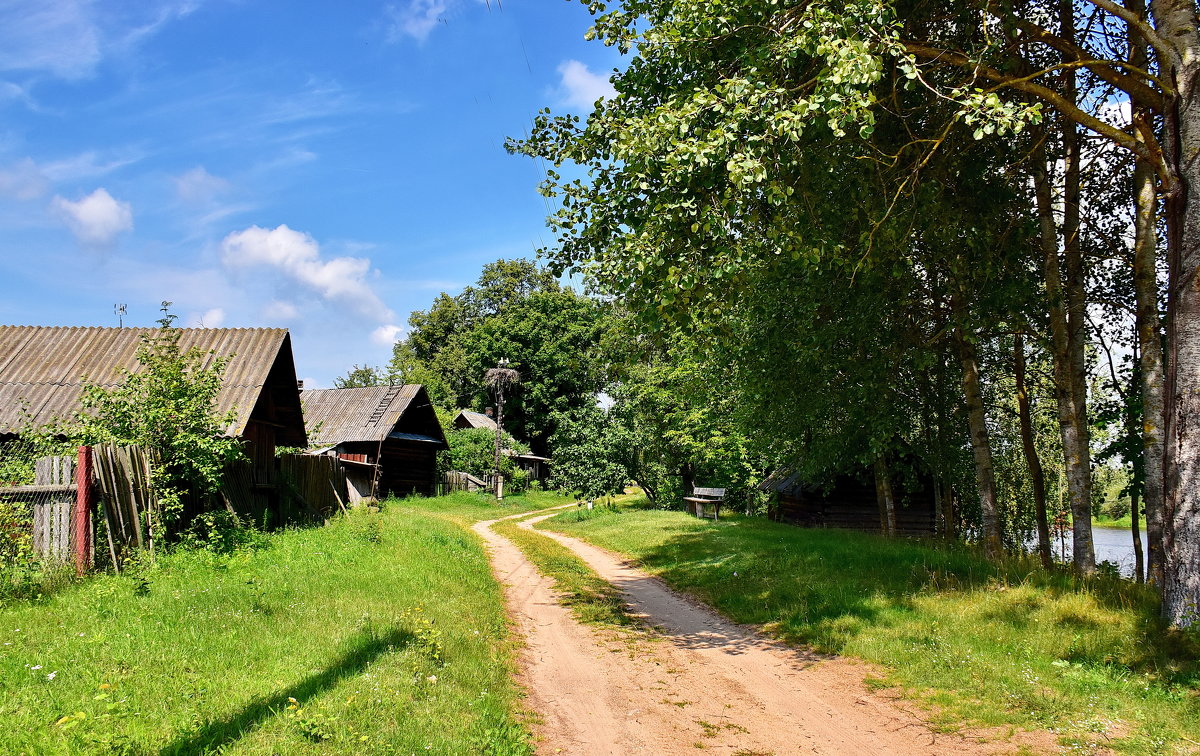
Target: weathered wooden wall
<point x="316" y="486"/>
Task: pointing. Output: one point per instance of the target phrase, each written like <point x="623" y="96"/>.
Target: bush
<point x="220" y="532"/>
<point x="473" y="451"/>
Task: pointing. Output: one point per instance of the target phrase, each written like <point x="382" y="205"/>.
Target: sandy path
<point x="697" y="682"/>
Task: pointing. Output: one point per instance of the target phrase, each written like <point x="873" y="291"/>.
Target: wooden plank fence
<point x="123" y="476"/>
<point x="308" y="488"/>
<point x="453" y="480"/>
<point x="315" y="483"/>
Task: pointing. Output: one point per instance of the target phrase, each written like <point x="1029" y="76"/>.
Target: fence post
<point x="82" y="513"/>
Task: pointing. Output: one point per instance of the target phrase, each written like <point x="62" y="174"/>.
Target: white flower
<point x="432" y="678"/>
<point x="52" y="675"/>
<point x="36" y="666"/>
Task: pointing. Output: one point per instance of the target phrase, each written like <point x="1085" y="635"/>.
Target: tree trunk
<point x="1148" y="324"/>
<point x="1139" y="559"/>
<point x="1176" y="22"/>
<point x="1080" y="475"/>
<point x="1076" y="456"/>
<point x="990" y="536"/>
<point x="885" y="497"/>
<point x="1036" y="476"/>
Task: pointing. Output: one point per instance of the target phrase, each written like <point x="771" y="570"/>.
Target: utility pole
<point x="497" y="379"/>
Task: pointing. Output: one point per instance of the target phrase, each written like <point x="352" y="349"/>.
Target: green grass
<point x="997" y="646"/>
<point x="591" y="598"/>
<point x="1124" y="523"/>
<point x="379" y="633"/>
<point x="468" y="508"/>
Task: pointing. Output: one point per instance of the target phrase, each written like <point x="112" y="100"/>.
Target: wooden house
<point x="537" y="468"/>
<point x="387" y="437"/>
<point x="851" y="501"/>
<point x="43" y="371"/>
<point x="466" y="419"/>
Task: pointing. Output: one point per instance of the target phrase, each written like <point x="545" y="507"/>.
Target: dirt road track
<point x="698" y="683"/>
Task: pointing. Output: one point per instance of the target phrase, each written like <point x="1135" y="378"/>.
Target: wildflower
<point x="52" y="675"/>
<point x="432" y="678"/>
<point x="36" y="667"/>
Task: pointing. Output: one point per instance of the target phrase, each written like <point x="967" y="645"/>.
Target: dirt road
<point x="696" y="683"/>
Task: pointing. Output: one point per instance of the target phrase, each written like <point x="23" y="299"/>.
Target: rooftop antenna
<point x="120" y="311"/>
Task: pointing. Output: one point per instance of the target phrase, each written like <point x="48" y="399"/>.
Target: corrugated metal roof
<point x="476" y="419"/>
<point x="43" y="369"/>
<point x="335" y="416"/>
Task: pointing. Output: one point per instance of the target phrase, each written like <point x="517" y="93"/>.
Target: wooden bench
<point x="705" y="502"/>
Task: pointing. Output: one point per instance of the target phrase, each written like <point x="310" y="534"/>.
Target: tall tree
<point x="709" y="130"/>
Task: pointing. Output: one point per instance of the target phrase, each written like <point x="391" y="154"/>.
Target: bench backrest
<point x="711" y="493"/>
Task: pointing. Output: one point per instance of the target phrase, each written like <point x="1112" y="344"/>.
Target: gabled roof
<point x="474" y="420"/>
<point x="43" y="368"/>
<point x="336" y="416"/>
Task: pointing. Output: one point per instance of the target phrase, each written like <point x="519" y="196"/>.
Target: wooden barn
<point x="387" y="437"/>
<point x="852" y="501"/>
<point x="466" y="419"/>
<point x="43" y="371"/>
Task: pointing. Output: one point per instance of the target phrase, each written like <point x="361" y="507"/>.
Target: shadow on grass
<point x="827" y="587"/>
<point x="361" y="651"/>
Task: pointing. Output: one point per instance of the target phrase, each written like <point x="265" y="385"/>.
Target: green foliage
<point x="473" y="451"/>
<point x="517" y="311"/>
<point x="362" y="376"/>
<point x="167" y="406"/>
<point x="222" y="533"/>
<point x="587" y="448"/>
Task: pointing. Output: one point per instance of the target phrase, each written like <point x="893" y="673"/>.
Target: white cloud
<point x="23" y="180"/>
<point x="59" y="37"/>
<point x="97" y="219"/>
<point x="414" y="18"/>
<point x="279" y="311"/>
<point x="86" y="165"/>
<point x="70" y="38"/>
<point x="580" y="88"/>
<point x="213" y="318"/>
<point x="297" y="256"/>
<point x="198" y="186"/>
<point x="386" y="335"/>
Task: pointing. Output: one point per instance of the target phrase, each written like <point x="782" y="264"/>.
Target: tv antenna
<point x="120" y="311"/>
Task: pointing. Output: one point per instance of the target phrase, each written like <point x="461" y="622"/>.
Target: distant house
<point x="387" y="437"/>
<point x="466" y="419"/>
<point x="43" y="370"/>
<point x="538" y="468"/>
<point x="851" y="501"/>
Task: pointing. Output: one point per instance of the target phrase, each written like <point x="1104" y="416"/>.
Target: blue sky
<point x="325" y="167"/>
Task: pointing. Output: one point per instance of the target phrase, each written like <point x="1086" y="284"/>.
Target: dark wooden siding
<point x="408" y="467"/>
<point x="851" y="503"/>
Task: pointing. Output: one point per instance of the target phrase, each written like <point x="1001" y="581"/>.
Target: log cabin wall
<point x="852" y="504"/>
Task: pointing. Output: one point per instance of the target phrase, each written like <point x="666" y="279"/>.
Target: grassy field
<point x="1124" y="523"/>
<point x="1008" y="646"/>
<point x="380" y="633"/>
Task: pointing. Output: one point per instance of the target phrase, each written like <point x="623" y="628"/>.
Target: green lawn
<point x="379" y="633"/>
<point x="994" y="646"/>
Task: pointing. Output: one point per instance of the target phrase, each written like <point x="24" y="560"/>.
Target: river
<point x="1112" y="545"/>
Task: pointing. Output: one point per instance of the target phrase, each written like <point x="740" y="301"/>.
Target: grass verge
<point x="466" y="509"/>
<point x="591" y="598"/>
<point x="379" y="633"/>
<point x="994" y="645"/>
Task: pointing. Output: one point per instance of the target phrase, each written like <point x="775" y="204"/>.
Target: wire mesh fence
<point x="45" y="525"/>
